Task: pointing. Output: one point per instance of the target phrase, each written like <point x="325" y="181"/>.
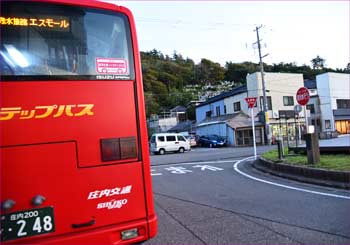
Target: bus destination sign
<point x="53" y="22"/>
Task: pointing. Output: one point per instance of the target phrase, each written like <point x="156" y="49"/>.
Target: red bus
<point x="75" y="165"/>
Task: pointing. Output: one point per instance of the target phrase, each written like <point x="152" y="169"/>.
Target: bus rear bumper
<point x="105" y="235"/>
<point x="153" y="226"/>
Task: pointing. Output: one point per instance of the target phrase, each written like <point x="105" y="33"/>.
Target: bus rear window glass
<point x="70" y="42"/>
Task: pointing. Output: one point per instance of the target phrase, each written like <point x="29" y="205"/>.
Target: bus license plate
<point x="27" y="223"/>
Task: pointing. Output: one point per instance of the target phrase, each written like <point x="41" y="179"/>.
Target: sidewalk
<point x="341" y="140"/>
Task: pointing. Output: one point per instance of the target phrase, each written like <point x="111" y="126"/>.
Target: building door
<point x="245" y="137"/>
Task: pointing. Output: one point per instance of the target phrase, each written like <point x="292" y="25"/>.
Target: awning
<point x="341" y="114"/>
<point x="242" y="121"/>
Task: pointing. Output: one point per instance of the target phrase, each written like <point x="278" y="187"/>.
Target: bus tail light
<point x="128" y="148"/>
<point x="118" y="149"/>
<point x="110" y="149"/>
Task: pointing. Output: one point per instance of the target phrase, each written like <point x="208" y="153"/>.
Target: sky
<point x="224" y="31"/>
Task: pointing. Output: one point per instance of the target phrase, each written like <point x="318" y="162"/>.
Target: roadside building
<point x="184" y="127"/>
<point x="213" y="117"/>
<point x="236" y="128"/>
<point x="313" y="107"/>
<point x="179" y="112"/>
<point x="161" y="124"/>
<point x="334" y="102"/>
<point x="217" y="126"/>
<point x="167" y="120"/>
<point x="328" y="108"/>
<point x="281" y="89"/>
<point x="213" y="107"/>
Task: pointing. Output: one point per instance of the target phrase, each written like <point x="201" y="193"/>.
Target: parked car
<point x="192" y="140"/>
<point x="212" y="141"/>
<point x="169" y="142"/>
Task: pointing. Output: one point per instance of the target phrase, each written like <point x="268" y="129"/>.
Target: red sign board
<point x="251" y="101"/>
<point x="303" y="96"/>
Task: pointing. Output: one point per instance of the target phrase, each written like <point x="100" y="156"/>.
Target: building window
<point x="288" y="100"/>
<point x="208" y="114"/>
<point x="237" y="106"/>
<point x="269" y="103"/>
<point x="218" y="111"/>
<point x="225" y="109"/>
<point x="311" y="107"/>
<point x="327" y="124"/>
<point x="343" y="104"/>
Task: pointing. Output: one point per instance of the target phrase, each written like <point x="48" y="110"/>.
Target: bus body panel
<point x="64" y="152"/>
<point x="75" y="195"/>
<point x="87" y="112"/>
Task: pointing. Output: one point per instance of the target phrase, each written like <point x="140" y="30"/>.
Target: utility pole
<point x="265" y="106"/>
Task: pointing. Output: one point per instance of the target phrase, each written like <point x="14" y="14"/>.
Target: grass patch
<point x="340" y="162"/>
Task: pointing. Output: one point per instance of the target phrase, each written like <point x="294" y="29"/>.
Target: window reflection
<point x="69" y="51"/>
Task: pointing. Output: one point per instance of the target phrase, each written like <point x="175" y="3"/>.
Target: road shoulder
<point x="336" y="179"/>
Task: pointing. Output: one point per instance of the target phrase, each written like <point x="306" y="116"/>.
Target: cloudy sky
<point x="293" y="31"/>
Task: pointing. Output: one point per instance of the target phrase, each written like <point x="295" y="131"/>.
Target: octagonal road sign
<point x="303" y="96"/>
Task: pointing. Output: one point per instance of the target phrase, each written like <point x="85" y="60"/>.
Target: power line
<point x="188" y="22"/>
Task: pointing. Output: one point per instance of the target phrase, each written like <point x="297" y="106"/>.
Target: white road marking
<point x="235" y="166"/>
<point x="181" y="170"/>
<point x="192" y="163"/>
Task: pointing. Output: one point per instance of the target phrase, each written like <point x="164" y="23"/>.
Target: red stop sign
<point x="303" y="96"/>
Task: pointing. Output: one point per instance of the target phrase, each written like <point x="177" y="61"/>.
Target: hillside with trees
<point x="171" y="81"/>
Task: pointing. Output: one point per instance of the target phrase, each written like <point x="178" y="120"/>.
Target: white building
<point x="161" y="125"/>
<point x="334" y="98"/>
<point x="281" y="89"/>
<point x="328" y="108"/>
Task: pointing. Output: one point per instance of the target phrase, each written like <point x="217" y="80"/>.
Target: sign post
<point x="303" y="97"/>
<point x="297" y="110"/>
<point x="251" y="102"/>
<point x="312" y="146"/>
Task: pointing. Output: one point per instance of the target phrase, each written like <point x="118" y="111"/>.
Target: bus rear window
<point x="49" y="42"/>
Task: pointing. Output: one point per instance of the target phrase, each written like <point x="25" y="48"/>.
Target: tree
<point x="237" y="72"/>
<point x="347" y="69"/>
<point x="318" y="62"/>
<point x="166" y="78"/>
<point x="152" y="106"/>
<point x="209" y="72"/>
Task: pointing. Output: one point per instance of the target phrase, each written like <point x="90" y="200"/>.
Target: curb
<point x="330" y="178"/>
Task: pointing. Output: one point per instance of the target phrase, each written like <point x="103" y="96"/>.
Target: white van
<point x="161" y="143"/>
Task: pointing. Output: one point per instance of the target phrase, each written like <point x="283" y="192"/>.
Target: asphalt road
<point x="200" y="154"/>
<point x="210" y="196"/>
